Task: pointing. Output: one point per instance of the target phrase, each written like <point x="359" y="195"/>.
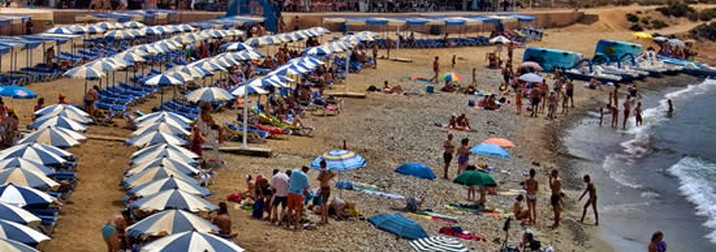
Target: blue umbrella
<point x="398" y="225"/>
<point x="417" y="170"/>
<point x="320" y="51"/>
<point x="18" y="215"/>
<point x="57" y="121"/>
<point x="339" y="160"/>
<point x="192" y="241"/>
<point x="170" y="222"/>
<point x="490" y="150"/>
<point x="29" y="178"/>
<point x="16" y="92"/>
<point x="161" y="80"/>
<point x="236" y="46"/>
<point x="36" y="152"/>
<point x="169" y="183"/>
<point x="173" y="199"/>
<point x="25" y="164"/>
<point x="24" y="196"/>
<point x="21" y="233"/>
<point x="10" y="245"/>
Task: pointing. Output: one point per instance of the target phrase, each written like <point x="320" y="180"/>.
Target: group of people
<point x="562" y="92"/>
<point x="282" y="199"/>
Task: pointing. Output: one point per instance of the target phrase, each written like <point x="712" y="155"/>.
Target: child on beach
<point x="615" y="115"/>
<point x="601" y="113"/>
<point x="436" y="70"/>
<point x="454" y="58"/>
<point x="670" y="112"/>
<point x="518" y="100"/>
<point x="637" y="114"/>
<point x="592" y="201"/>
<point x="552" y="107"/>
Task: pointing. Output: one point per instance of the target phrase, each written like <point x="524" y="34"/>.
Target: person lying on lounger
<point x="397" y="89"/>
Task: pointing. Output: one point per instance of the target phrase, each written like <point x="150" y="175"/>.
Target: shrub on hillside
<point x="707" y="31"/>
<point x="636" y="27"/>
<point x="623" y="2"/>
<point x="676" y="9"/>
<point x="632" y="18"/>
<point x="658" y="24"/>
<point x="707" y="14"/>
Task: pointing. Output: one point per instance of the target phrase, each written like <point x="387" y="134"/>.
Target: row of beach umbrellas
<point x="342" y="44"/>
<point x="288" y="37"/>
<point x="97" y="28"/>
<point x="162" y="176"/>
<point x="26" y="171"/>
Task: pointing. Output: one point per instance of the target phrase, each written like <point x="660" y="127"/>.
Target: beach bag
<point x="258" y="210"/>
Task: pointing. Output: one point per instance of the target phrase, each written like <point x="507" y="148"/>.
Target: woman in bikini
<point x="463" y="155"/>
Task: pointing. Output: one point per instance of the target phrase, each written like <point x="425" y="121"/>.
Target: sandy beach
<point x="387" y="130"/>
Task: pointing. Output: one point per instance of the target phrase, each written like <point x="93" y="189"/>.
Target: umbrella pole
<point x="85" y="86"/>
<point x="244" y="138"/>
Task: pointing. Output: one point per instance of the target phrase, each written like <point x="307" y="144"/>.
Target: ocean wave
<point x="614" y="166"/>
<point x="694" y="175"/>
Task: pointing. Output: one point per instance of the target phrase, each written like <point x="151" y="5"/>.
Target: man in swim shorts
<point x="298" y="184"/>
<point x="535" y="97"/>
<point x="325" y="178"/>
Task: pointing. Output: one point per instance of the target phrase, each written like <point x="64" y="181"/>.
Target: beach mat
<point x="420" y="79"/>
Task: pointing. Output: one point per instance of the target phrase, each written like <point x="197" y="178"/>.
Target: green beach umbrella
<point x="475" y="178"/>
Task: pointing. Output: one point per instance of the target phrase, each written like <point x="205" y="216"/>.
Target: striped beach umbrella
<point x="152" y="174"/>
<point x="169" y="153"/>
<point x="35" y="152"/>
<point x="163" y="119"/>
<point x="186" y="27"/>
<point x="18" y="215"/>
<point x="251" y="55"/>
<point x="290" y="69"/>
<point x="236" y="46"/>
<point x="181" y="76"/>
<point x="208" y="66"/>
<point x="108" y="25"/>
<point x="317" y="51"/>
<point x="119" y="34"/>
<point x="129" y="57"/>
<point x="190" y="186"/>
<point x="21" y="233"/>
<point x="102" y="65"/>
<point x="209" y="94"/>
<point x="155" y="137"/>
<point x="60" y="30"/>
<point x="160" y="147"/>
<point x="133" y="24"/>
<point x="152" y="117"/>
<point x="94" y="29"/>
<point x="181" y="166"/>
<point x="55" y="109"/>
<point x="23" y="196"/>
<point x="85" y="72"/>
<point x="241" y="90"/>
<point x="161" y="80"/>
<point x="438" y="244"/>
<point x="66" y="113"/>
<point x="18" y="162"/>
<point x="170" y="222"/>
<point x="192" y="241"/>
<point x="77" y="29"/>
<point x="163" y="127"/>
<point x="59" y="137"/>
<point x="13" y="246"/>
<point x="194" y="72"/>
<point x="339" y="160"/>
<point x="28" y="178"/>
<point x="173" y="199"/>
<point x="57" y="121"/>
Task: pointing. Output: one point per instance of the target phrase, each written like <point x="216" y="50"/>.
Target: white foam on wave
<point x="614" y="166"/>
<point x="694" y="175"/>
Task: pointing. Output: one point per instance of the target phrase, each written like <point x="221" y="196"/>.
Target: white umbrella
<point x="209" y="94"/>
<point x="531" y="77"/>
<point x="169" y="183"/>
<point x="170" y="154"/>
<point x="499" y="40"/>
<point x="237" y="46"/>
<point x="173" y="199"/>
<point x="21" y="233"/>
<point x="86" y="73"/>
<point x="192" y="241"/>
<point x="16" y="214"/>
<point x="36" y="152"/>
<point x="156" y="137"/>
<point x="52" y="136"/>
<point x="71" y="114"/>
<point x="162" y="80"/>
<point x="57" y="121"/>
<point x="19" y="162"/>
<point x="55" y="109"/>
<point x="184" y="168"/>
<point x="170" y="222"/>
<point x="169" y="128"/>
<point x="161" y="114"/>
<point x="159" y="147"/>
<point x="243" y="91"/>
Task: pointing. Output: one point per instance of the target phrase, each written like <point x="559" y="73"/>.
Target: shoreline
<point x="566" y="161"/>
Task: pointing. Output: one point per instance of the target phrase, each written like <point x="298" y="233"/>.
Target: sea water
<point x="659" y="176"/>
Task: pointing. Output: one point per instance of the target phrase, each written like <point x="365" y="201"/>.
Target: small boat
<point x="691" y="68"/>
<point x="583" y="74"/>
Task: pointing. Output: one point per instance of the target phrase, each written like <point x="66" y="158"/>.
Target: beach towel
<point x="384" y="194"/>
<point x="457" y="231"/>
<point x="421" y="79"/>
<point x="433" y="216"/>
<point x="366" y="186"/>
<point x="235" y="197"/>
<point x="511" y="192"/>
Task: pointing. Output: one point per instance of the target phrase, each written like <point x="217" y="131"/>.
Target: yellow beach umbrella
<point x="643" y="35"/>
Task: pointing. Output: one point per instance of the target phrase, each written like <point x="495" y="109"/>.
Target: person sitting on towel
<point x="397" y="89"/>
<point x="463" y="122"/>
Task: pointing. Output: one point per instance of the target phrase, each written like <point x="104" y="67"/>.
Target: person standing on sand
<point x="449" y="149"/>
<point x="545" y="91"/>
<point x="614" y="109"/>
<point x="518" y="100"/>
<point x="670" y="112"/>
<point x="657" y="243"/>
<point x="375" y="55"/>
<point x="532" y="186"/>
<point x="325" y="179"/>
<point x="565" y="102"/>
<point x="436" y="70"/>
<point x="592" y="201"/>
<point x="111" y="238"/>
<point x="555" y="184"/>
<point x="454" y="59"/>
<point x="569" y="91"/>
<point x="552" y="107"/>
<point x="463" y="155"/>
<point x="298" y="184"/>
<point x="601" y="114"/>
<point x="627" y="110"/>
<point x="474" y="77"/>
<point x="279" y="185"/>
<point x="637" y="115"/>
<point x="536" y="96"/>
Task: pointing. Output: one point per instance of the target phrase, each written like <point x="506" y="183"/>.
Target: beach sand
<point x="387" y="130"/>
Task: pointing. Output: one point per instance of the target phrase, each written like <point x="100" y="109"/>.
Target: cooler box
<point x="430" y="89"/>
